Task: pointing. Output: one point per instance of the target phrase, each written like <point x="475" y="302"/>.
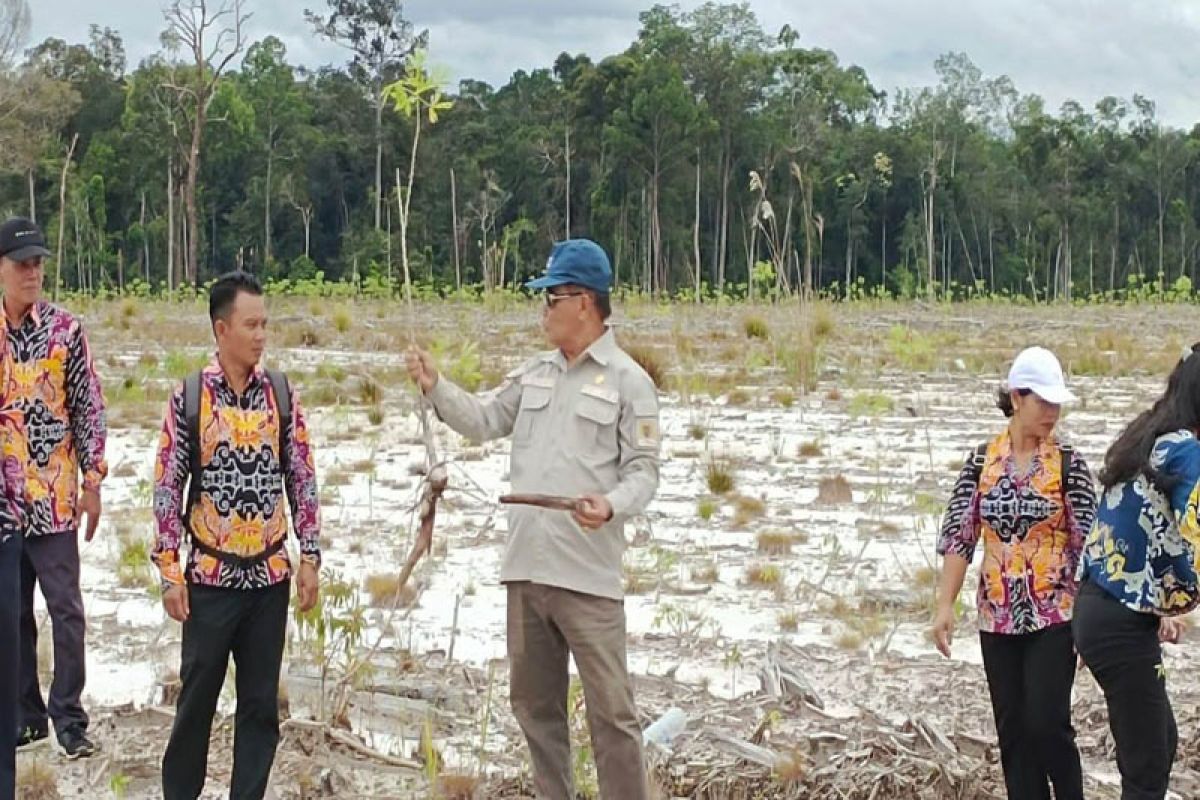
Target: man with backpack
<point x="234" y="445"/>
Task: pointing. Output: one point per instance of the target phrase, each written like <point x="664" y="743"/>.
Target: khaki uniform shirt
<point x="590" y="428"/>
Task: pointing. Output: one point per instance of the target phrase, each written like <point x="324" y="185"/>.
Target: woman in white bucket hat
<point x="1031" y="500"/>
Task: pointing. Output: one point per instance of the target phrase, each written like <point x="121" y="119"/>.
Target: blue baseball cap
<point x="579" y="262"/>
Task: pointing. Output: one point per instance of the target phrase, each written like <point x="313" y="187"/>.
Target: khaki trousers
<point x="545" y="623"/>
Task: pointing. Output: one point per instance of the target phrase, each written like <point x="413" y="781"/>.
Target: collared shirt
<point x="1031" y="538"/>
<point x="240" y="510"/>
<point x="14" y="452"/>
<point x="587" y="428"/>
<point x="57" y="389"/>
<point x="1145" y="547"/>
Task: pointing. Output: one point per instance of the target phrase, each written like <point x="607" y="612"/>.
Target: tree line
<point x="711" y="156"/>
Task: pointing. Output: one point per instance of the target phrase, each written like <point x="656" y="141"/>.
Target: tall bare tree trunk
<point x="379" y="152"/>
<point x="696" y="228"/>
<point x="267" y="203"/>
<point x="568" y="160"/>
<point x="192" y="208"/>
<point x="991" y="258"/>
<point x="79" y="266"/>
<point x="929" y="237"/>
<point x="170" y="223"/>
<point x="191" y="22"/>
<point x="145" y="239"/>
<point x="454" y="231"/>
<point x="62" y="214"/>
<point x="185" y="236"/>
<point x="723" y="228"/>
<point x="883" y="243"/>
<point x="1091" y="264"/>
<point x="389" y="239"/>
<point x="32" y="196"/>
<point x="404" y="203"/>
<point x="1116" y="243"/>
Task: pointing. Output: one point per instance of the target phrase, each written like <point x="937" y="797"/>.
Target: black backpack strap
<point x="1067" y="453"/>
<point x="979" y="456"/>
<point x="283" y="405"/>
<point x="191" y="416"/>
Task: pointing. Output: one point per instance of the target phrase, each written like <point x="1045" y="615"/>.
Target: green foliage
<point x="583" y="762"/>
<point x="460" y="361"/>
<point x="719" y="476"/>
<point x="913" y="349"/>
<point x="1092" y="204"/>
<point x="119" y="784"/>
<point x="870" y="404"/>
<point x="178" y="364"/>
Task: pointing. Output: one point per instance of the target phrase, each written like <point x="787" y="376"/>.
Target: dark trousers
<point x="10" y="614"/>
<point x="52" y="562"/>
<point x="1030" y="677"/>
<point x="250" y="625"/>
<point x="1120" y="648"/>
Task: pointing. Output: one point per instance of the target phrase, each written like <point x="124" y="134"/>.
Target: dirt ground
<point x="778" y="589"/>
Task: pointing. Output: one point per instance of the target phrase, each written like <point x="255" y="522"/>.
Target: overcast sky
<point x="1080" y="49"/>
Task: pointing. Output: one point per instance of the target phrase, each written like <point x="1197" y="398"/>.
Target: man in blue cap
<point x="584" y="422"/>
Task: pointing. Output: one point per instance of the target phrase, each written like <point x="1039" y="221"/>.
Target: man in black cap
<point x="58" y="392"/>
<point x="584" y="423"/>
<point x="14" y="457"/>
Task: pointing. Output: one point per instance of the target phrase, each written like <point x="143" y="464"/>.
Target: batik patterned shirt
<point x="1145" y="547"/>
<point x="14" y="452"/>
<point x="56" y="387"/>
<point x="1031" y="538"/>
<point x="241" y="506"/>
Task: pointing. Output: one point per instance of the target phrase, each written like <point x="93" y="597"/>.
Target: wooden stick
<point x="551" y="501"/>
<point x="352" y="742"/>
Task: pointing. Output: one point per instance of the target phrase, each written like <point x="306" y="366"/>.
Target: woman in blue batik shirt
<point x="1139" y="570"/>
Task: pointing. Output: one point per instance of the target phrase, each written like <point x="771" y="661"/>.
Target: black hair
<point x="1004" y="399"/>
<point x="224" y="292"/>
<point x="603" y="301"/>
<point x="1177" y="409"/>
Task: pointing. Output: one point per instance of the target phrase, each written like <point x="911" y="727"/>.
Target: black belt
<point x="233" y="559"/>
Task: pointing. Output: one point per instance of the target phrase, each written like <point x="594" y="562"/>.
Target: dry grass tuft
<point x="834" y="490"/>
<point x="767" y="575"/>
<point x="384" y="590"/>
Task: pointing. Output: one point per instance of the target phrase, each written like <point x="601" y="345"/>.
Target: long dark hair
<point x="1178" y="408"/>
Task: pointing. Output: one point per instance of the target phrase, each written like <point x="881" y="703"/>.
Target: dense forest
<point x="711" y="156"/>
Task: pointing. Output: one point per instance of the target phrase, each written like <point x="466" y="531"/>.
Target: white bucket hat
<point x="1038" y="370"/>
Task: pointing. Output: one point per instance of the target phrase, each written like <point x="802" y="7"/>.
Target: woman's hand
<point x="943" y="629"/>
<point x="1170" y="629"/>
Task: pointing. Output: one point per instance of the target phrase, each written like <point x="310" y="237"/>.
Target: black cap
<point x="21" y="239"/>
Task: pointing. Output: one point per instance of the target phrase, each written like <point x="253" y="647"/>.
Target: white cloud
<point x="1079" y="49"/>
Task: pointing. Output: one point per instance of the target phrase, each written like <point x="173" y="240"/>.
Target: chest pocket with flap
<point x="535" y="404"/>
<point x="596" y="411"/>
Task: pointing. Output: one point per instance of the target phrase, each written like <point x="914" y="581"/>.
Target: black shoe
<point x="75" y="743"/>
<point x="29" y="735"/>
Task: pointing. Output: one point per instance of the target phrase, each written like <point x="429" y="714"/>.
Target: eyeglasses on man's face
<point x="553" y="298"/>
